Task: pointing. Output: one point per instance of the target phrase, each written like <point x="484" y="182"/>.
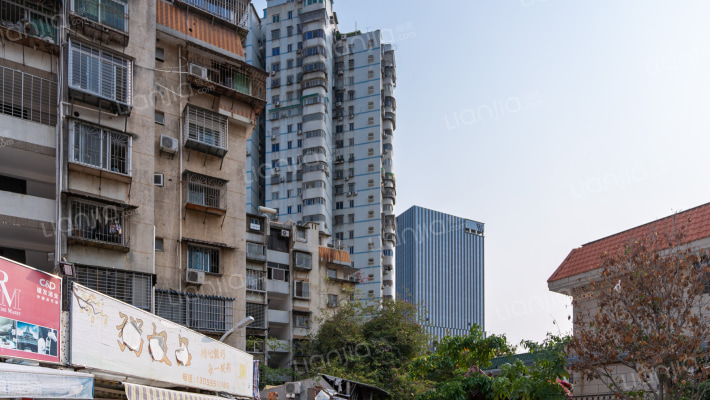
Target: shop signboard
<point x="114" y="337"/>
<point x="30" y="312"/>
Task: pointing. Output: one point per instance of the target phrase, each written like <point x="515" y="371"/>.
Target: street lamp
<point x="241" y="324"/>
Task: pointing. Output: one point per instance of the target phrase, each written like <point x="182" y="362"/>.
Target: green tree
<point x="373" y="344"/>
<point x="453" y="371"/>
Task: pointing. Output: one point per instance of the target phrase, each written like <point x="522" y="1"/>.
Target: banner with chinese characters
<point x="30" y="312"/>
<point x="115" y="337"/>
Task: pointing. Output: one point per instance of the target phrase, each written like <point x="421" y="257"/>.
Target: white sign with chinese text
<point x="115" y="337"/>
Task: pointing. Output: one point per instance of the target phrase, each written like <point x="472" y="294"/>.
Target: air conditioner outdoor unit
<point x="274" y="138"/>
<point x="278" y="104"/>
<point x="340" y="72"/>
<point x="196" y="277"/>
<point x="198" y="70"/>
<point x="350" y="194"/>
<point x="293" y="387"/>
<point x="300" y="132"/>
<point x="285" y="233"/>
<point x="352" y="115"/>
<point x="283" y="180"/>
<point x="168" y="144"/>
<point x="340" y="118"/>
<point x="339" y="104"/>
<point x="273" y="73"/>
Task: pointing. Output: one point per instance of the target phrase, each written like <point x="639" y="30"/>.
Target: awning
<point x="140" y="392"/>
<point x="44" y="383"/>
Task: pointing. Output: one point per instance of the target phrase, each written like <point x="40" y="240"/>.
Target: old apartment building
<point x="122" y="150"/>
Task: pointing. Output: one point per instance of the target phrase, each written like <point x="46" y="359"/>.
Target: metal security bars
<point x="214" y="73"/>
<point x="100" y="73"/>
<point x="28" y="97"/>
<point x="111" y="13"/>
<point x="256" y="280"/>
<point x="211" y="314"/>
<point x="206" y="131"/>
<point x="130" y="287"/>
<point x="205" y="191"/>
<point x="203" y="259"/>
<point x="232" y="11"/>
<point x="258" y="311"/>
<point x="97" y="222"/>
<point x="100" y="148"/>
<point x="32" y="18"/>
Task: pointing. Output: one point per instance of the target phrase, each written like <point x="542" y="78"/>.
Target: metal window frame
<point x="81" y="224"/>
<point x="213" y="258"/>
<point x="105" y="59"/>
<point x="200" y="124"/>
<point x="305" y="289"/>
<point x="29" y="97"/>
<point x="101" y="13"/>
<point x="108" y="139"/>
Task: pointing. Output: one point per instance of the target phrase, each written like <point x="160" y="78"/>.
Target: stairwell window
<point x="100" y="73"/>
<point x="100" y="148"/>
<point x="203" y="259"/>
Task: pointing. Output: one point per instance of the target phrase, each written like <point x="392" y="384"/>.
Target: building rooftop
<point x="588" y="257"/>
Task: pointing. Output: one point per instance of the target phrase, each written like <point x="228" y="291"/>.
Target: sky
<point x="554" y="122"/>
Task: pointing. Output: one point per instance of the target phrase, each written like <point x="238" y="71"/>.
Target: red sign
<point x="30" y="312"/>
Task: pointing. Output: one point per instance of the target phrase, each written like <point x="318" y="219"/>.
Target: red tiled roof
<point x="588" y="257"/>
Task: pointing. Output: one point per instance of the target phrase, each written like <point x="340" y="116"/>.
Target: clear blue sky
<point x="555" y="122"/>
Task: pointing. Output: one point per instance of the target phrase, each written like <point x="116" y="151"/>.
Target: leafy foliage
<point x="453" y="370"/>
<point x="647" y="312"/>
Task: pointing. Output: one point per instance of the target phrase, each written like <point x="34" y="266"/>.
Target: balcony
<point x="278" y="317"/>
<point x="274" y="286"/>
<point x="211" y="72"/>
<point x="278" y="346"/>
<point x="100" y="152"/>
<point x="30" y="23"/>
<point x="99" y="224"/>
<point x="106" y="20"/>
<point x="27" y="96"/>
<point x="27" y="207"/>
<point x="233" y="12"/>
<point x="205" y="194"/>
<point x="256" y="252"/>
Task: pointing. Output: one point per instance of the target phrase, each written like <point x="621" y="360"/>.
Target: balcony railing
<point x="28" y="97"/>
<point x="98" y="223"/>
<point x="239" y="80"/>
<point x="107" y="19"/>
<point x="232" y="11"/>
<point x="33" y="19"/>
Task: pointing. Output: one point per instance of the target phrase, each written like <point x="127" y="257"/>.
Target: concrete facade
<point x="130" y="161"/>
<point x="328" y="140"/>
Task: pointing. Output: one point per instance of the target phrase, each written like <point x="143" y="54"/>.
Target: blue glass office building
<point x="439" y="266"/>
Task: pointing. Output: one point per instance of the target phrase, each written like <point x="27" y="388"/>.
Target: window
<point x="288" y="210"/>
<point x="301" y="290"/>
<point x="302" y="260"/>
<point x="370" y="59"/>
<point x="370" y="199"/>
<point x="300" y="143"/>
<point x="289" y="48"/>
<point x="370" y="261"/>
<point x="351" y="95"/>
<point x="256" y="251"/>
<point x="370" y="74"/>
<point x="203" y="259"/>
<point x="255" y="280"/>
<point x="301" y="320"/>
<point x="351" y="218"/>
<point x="275" y="67"/>
<point x="370" y="183"/>
<point x="205" y="130"/>
<point x="100" y="148"/>
<point x="370" y="214"/>
<point x="352" y="204"/>
<point x="351" y="81"/>
<point x="351" y="64"/>
<point x="301" y="232"/>
<point x="276" y="34"/>
<point x="159" y="117"/>
<point x="255" y="344"/>
<point x="339" y="235"/>
<point x="289" y="29"/>
<point x="199" y="312"/>
<point x="159" y="54"/>
<point x="112" y="13"/>
<point x="338" y="129"/>
<point x="205" y="191"/>
<point x="130" y="287"/>
<point x="275" y="51"/>
<point x="275" y="148"/>
<point x="351" y="142"/>
<point x="370" y="105"/>
<point x="290" y="15"/>
<point x="275" y="18"/>
<point x="332" y="300"/>
<point x="370" y="230"/>
<point x="370" y="151"/>
<point x="100" y="73"/>
<point x="258" y="311"/>
<point x="278" y="272"/>
<point x="159" y="244"/>
<point x="274" y="195"/>
<point x="339" y="205"/>
<point x="97" y="222"/>
<point x="370" y="167"/>
<point x="332" y="273"/>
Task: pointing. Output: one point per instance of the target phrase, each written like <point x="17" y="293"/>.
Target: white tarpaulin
<point x="44" y="383"/>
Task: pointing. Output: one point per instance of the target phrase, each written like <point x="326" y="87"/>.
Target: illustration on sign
<point x="129" y="334"/>
<point x="182" y="353"/>
<point x="157" y="344"/>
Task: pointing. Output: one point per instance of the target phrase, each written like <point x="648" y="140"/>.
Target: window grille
<point x="256" y="251"/>
<point x="255" y="280"/>
<point x="40" y="18"/>
<point x="332" y="300"/>
<point x="130" y="287"/>
<point x="210" y="314"/>
<point x="301" y="260"/>
<point x="112" y="13"/>
<point x="301" y="289"/>
<point x="28" y="97"/>
<point x="232" y="11"/>
<point x="205" y="128"/>
<point x="205" y="191"/>
<point x="97" y="222"/>
<point x="301" y="320"/>
<point x="258" y="311"/>
<point x="101" y="148"/>
<point x="100" y="73"/>
<point x="203" y="259"/>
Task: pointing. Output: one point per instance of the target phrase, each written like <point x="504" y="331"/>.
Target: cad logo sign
<point x="9" y="302"/>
